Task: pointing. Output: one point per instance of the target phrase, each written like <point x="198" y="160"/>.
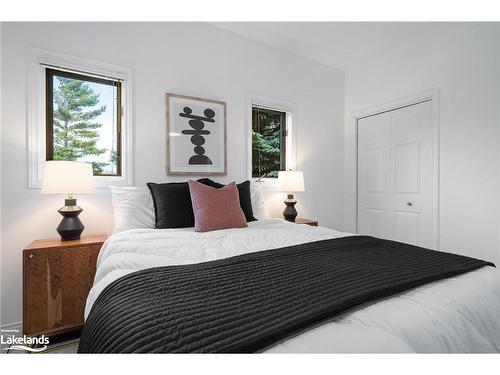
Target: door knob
<point x="409" y="204"/>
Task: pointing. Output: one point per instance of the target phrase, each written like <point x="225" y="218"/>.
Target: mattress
<point x="458" y="314"/>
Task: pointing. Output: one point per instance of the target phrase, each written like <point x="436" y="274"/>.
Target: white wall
<point x="463" y="61"/>
<point x="192" y="59"/>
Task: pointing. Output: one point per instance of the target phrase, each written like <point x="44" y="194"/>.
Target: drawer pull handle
<point x="30" y="256"/>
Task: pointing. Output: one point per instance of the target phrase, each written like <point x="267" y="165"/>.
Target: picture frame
<point x="196" y="136"/>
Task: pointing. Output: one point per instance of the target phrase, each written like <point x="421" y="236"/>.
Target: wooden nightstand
<point x="57" y="277"/>
<point x="312" y="223"/>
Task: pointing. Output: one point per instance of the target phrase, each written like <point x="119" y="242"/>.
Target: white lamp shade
<point x="67" y="177"/>
<point x="291" y="181"/>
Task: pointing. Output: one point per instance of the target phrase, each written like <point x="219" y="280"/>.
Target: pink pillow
<point x="216" y="208"/>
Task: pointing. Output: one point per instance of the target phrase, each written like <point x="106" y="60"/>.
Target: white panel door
<point x="395" y="175"/>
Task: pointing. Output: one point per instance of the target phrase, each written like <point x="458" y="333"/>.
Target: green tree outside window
<point x="77" y="115"/>
<point x="268" y="143"/>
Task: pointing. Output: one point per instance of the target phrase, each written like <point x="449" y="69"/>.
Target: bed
<point x="458" y="314"/>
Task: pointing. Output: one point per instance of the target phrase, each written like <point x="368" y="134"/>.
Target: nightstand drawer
<point x="56" y="282"/>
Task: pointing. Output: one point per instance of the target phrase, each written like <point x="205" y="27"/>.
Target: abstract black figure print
<point x="197" y="133"/>
<point x="196" y="136"/>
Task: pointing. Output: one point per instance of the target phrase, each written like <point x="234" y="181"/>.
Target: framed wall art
<point x="196" y="136"/>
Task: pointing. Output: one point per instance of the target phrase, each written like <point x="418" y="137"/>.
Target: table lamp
<point x="68" y="177"/>
<point x="290" y="182"/>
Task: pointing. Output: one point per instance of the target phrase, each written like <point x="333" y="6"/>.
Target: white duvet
<point x="459" y="314"/>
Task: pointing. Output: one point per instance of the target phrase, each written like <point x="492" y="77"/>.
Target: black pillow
<point x="244" y="192"/>
<point x="172" y="203"/>
<point x="173" y="206"/>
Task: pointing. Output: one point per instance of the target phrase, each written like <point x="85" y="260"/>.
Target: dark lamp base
<point x="70" y="227"/>
<point x="290" y="213"/>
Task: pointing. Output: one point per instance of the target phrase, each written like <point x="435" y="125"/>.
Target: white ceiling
<point x="337" y="44"/>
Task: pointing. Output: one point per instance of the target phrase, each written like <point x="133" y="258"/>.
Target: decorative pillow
<point x="258" y="203"/>
<point x="244" y="193"/>
<point x="132" y="208"/>
<point x="172" y="205"/>
<point x="216" y="208"/>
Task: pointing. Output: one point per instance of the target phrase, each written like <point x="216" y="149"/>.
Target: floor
<point x="67" y="347"/>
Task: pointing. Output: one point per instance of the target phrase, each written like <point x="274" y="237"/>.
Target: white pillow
<point x="258" y="204"/>
<point x="132" y="208"/>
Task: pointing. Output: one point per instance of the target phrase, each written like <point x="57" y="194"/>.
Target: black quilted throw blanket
<point x="250" y="302"/>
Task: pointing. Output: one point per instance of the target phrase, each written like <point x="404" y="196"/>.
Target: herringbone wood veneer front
<point x="57" y="277"/>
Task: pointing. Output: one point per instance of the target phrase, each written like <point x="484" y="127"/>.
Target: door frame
<point x="431" y="95"/>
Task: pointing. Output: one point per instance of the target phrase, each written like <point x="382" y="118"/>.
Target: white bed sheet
<point x="459" y="314"/>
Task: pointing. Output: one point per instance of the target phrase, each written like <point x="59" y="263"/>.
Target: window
<point x="269" y="142"/>
<point x="105" y="140"/>
<point x="83" y="120"/>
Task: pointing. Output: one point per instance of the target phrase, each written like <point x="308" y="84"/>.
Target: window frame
<point x="37" y="62"/>
<point x="291" y="128"/>
<point x="283" y="136"/>
<point x="49" y="110"/>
